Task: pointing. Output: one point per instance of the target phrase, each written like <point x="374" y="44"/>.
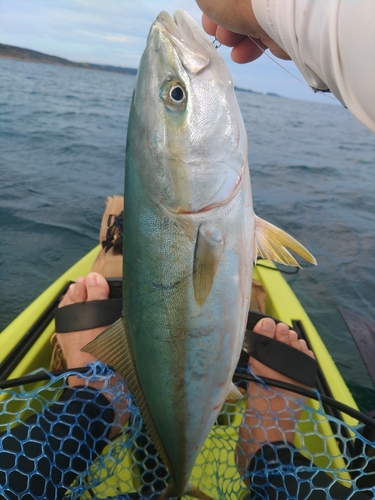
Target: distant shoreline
<point x="27" y="55"/>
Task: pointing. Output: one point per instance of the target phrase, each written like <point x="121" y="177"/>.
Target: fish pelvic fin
<point x="272" y="243"/>
<point x="112" y="348"/>
<point x="234" y="393"/>
<point x="209" y="248"/>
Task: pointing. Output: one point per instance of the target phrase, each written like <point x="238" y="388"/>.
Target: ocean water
<point x="62" y="150"/>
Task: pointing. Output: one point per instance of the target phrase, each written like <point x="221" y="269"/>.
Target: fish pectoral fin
<point x="234" y="393"/>
<point x="272" y="243"/>
<point x="209" y="248"/>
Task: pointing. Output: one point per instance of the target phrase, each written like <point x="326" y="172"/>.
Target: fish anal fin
<point x="209" y="248"/>
<point x="112" y="348"/>
<point x="272" y="243"/>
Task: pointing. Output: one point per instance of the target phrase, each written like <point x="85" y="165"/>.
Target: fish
<point x="190" y="241"/>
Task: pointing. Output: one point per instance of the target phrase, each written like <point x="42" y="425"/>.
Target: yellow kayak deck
<point x="25" y="346"/>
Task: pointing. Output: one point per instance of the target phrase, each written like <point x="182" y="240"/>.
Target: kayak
<point x="25" y="347"/>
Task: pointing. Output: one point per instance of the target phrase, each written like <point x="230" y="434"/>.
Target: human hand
<point x="238" y="27"/>
<point x="244" y="49"/>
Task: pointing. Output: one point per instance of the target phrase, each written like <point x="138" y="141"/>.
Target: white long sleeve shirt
<point x="332" y="42"/>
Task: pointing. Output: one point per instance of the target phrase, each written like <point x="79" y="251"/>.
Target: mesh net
<point x="58" y="442"/>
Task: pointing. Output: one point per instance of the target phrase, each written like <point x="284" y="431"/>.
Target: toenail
<point x="293" y="335"/>
<point x="284" y="328"/>
<point x="91" y="280"/>
<point x="81" y="279"/>
<point x="267" y="324"/>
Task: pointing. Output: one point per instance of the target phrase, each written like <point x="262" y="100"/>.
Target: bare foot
<point x="270" y="414"/>
<point x="92" y="287"/>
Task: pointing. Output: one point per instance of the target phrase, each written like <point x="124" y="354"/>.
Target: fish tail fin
<point x="272" y="243"/>
<point x="195" y="492"/>
<point x="191" y="490"/>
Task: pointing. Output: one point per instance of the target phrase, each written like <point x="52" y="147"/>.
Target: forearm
<point x="332" y="42"/>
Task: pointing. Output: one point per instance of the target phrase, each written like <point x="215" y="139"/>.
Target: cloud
<point x="111" y="37"/>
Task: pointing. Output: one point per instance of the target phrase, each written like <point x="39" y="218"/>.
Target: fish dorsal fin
<point x="272" y="243"/>
<point x="209" y="248"/>
<point x="112" y="348"/>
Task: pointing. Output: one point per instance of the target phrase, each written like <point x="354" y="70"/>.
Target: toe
<point x="266" y="326"/>
<point x="305" y="348"/>
<point x="76" y="293"/>
<point x="79" y="292"/>
<point x="97" y="287"/>
<point x="282" y="333"/>
<point x="294" y="341"/>
<point x="299" y="344"/>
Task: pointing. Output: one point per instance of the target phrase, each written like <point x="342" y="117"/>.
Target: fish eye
<point x="174" y="95"/>
<point x="177" y="93"/>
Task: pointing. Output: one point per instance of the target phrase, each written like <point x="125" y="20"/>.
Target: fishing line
<point x="283" y="271"/>
<point x="316" y="91"/>
<point x="217" y="45"/>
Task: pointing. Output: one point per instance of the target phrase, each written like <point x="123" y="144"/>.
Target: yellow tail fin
<point x="272" y="243"/>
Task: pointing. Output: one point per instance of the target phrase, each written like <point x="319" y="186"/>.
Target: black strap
<point x="281" y="357"/>
<point x="87" y="315"/>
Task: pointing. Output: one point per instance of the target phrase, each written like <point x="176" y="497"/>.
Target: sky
<point x="115" y="31"/>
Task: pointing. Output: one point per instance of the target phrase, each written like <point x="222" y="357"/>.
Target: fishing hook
<point x="216" y="43"/>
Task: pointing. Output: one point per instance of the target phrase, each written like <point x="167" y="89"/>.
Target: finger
<point x="246" y="51"/>
<point x="275" y="49"/>
<point x="208" y="25"/>
<point x="228" y="38"/>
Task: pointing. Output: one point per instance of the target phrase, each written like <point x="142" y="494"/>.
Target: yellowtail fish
<point x="191" y="237"/>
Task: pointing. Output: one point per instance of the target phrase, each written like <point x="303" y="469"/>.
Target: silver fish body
<point x="188" y="261"/>
<point x="190" y="242"/>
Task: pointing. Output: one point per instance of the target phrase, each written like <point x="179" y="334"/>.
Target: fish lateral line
<point x="168" y="287"/>
<point x="155" y="287"/>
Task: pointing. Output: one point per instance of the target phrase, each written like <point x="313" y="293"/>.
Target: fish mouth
<point x="169" y="24"/>
<point x="188" y="39"/>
